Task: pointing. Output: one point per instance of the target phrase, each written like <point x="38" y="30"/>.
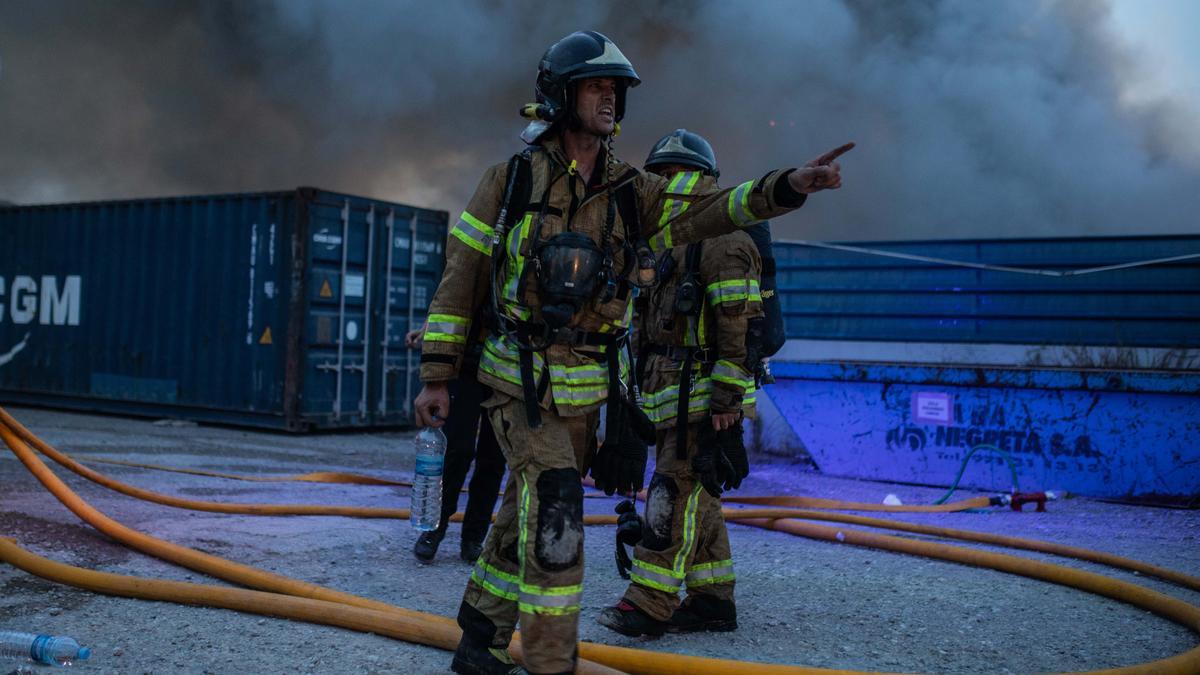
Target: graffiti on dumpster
<point x="1028" y="444"/>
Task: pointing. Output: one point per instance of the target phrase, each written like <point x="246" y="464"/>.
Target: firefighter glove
<point x="733" y="447"/>
<point x="620" y="464"/>
<point x="711" y="466"/>
<point x="635" y="417"/>
<point x="629" y="533"/>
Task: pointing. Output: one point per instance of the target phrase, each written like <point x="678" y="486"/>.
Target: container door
<point x="342" y="241"/>
<point x="411" y="270"/>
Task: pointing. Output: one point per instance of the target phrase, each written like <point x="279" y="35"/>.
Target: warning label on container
<point x="266" y="337"/>
<point x="930" y="407"/>
<point x="326" y="291"/>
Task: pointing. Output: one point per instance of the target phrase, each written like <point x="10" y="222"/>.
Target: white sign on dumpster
<point x="932" y="407"/>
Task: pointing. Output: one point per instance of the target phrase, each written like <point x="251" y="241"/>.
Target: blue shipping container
<point x="279" y="309"/>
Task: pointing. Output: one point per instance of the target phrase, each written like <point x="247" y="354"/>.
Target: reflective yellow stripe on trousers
<point x="706" y="574"/>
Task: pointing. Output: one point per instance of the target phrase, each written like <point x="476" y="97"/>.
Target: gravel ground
<point x="801" y="601"/>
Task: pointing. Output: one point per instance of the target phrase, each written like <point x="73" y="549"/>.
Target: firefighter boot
<point x="470" y="549"/>
<point x="472" y="658"/>
<point x="627" y="619"/>
<point x="427" y="546"/>
<point x="701" y="612"/>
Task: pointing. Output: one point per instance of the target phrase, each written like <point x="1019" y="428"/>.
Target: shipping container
<point x="896" y="369"/>
<point x="277" y="309"/>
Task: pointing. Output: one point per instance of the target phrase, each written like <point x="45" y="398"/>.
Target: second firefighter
<point x="699" y="350"/>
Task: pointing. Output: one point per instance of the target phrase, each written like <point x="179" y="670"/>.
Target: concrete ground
<point x="800" y="601"/>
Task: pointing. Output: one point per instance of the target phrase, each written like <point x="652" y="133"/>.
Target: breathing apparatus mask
<point x="569" y="267"/>
<point x="688" y="297"/>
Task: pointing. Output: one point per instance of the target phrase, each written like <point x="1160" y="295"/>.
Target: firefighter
<point x="699" y="338"/>
<point x="554" y="241"/>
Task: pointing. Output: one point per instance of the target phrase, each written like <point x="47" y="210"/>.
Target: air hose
<point x="963" y="467"/>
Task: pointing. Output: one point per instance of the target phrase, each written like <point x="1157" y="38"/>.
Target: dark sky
<point x="974" y="119"/>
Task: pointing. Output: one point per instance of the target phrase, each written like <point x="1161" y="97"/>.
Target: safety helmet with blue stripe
<point x="685" y="148"/>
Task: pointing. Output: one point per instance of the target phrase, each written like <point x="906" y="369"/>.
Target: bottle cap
<point x="84" y="653"/>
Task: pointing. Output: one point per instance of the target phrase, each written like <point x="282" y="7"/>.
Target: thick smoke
<point x="994" y="119"/>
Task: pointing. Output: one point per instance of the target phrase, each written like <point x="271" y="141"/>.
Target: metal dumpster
<point x="896" y="369"/>
<point x="276" y="309"/>
<point x="1113" y="434"/>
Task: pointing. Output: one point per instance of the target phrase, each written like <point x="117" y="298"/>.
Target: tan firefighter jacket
<point x="727" y="272"/>
<point x="578" y="376"/>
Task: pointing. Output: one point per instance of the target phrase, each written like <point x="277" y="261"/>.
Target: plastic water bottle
<point x="430" y="451"/>
<point x="46" y="649"/>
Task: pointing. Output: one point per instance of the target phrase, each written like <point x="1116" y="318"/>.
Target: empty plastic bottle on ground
<point x="52" y="650"/>
<point x="430" y="451"/>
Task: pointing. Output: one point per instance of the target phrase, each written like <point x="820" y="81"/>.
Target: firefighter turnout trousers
<point x="684" y="540"/>
<point x="532" y="563"/>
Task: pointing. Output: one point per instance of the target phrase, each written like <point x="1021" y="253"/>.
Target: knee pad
<point x="559" y="542"/>
<point x="660" y="512"/>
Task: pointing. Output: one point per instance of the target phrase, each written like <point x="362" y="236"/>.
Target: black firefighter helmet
<point x="580" y="55"/>
<point x="684" y="147"/>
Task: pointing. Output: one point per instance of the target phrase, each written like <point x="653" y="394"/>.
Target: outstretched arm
<point x="723" y="211"/>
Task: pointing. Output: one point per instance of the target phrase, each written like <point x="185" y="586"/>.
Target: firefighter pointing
<point x="549" y="252"/>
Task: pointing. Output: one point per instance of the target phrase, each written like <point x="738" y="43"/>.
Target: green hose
<point x="963" y="467"/>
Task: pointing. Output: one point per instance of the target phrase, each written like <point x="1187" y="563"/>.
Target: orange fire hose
<point x="1170" y="608"/>
<point x="346" y="478"/>
<point x="1182" y="613"/>
<point x="392" y="624"/>
<point x="624" y="659"/>
<point x="270" y="509"/>
<point x="816" y="503"/>
<point x="314" y="477"/>
<point x="733" y="515"/>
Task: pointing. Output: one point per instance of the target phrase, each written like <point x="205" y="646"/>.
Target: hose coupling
<point x="1020" y="499"/>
